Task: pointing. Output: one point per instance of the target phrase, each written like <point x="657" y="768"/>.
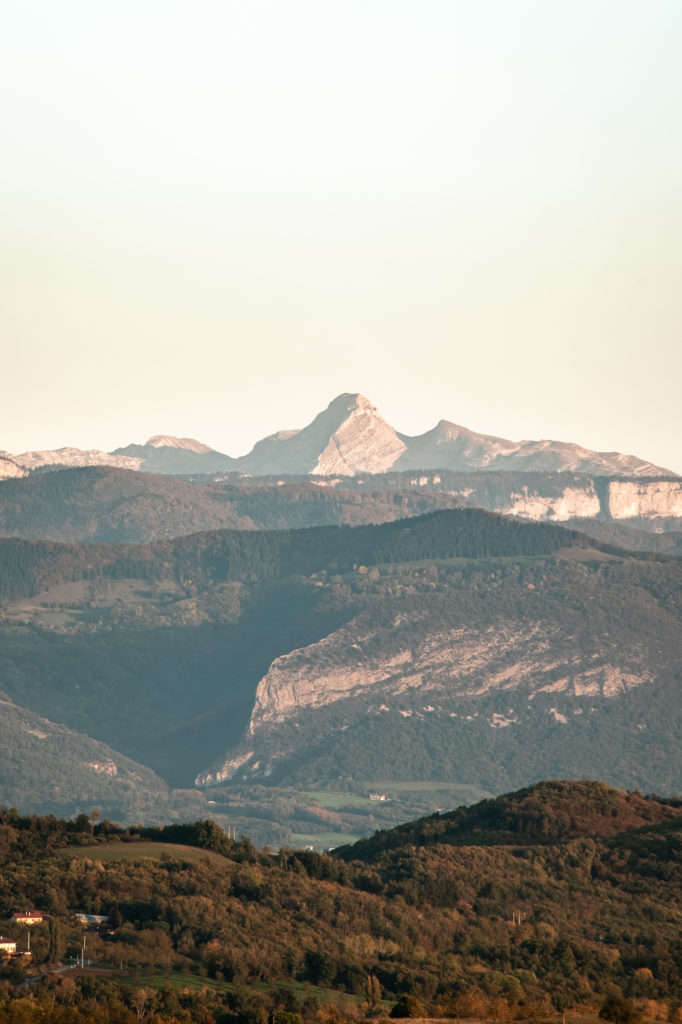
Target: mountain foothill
<point x="559" y="901"/>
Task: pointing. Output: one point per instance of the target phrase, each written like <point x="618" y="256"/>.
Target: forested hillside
<point x="530" y="921"/>
<point x="99" y="504"/>
<point x="121" y="506"/>
<point x="251" y="556"/>
<point x="460" y="649"/>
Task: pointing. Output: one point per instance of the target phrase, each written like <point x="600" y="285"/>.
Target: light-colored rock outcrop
<point x="543" y="499"/>
<point x="11" y="470"/>
<point x="349" y="437"/>
<point x="363" y="442"/>
<point x="444" y="668"/>
<point x="186" y="443"/>
<point x="573" y="502"/>
<point x="449" y="446"/>
<point x="75" y="457"/>
<point x="628" y="499"/>
<point x="458" y="663"/>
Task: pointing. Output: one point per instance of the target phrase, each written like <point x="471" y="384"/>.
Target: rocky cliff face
<point x="628" y="499"/>
<point x="449" y="446"/>
<point x="497" y="676"/>
<point x="349" y="437"/>
<point x="555" y="497"/>
<point x="456" y="663"/>
<point x="571" y="503"/>
<point x="75" y="457"/>
<point x="11" y="470"/>
<point x="185" y="443"/>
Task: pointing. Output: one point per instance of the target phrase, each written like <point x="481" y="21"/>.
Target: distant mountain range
<point x="349" y="437"/>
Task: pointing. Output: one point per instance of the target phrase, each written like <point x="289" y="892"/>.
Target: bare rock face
<point x="572" y="503"/>
<point x="75" y="457"/>
<point x="439" y="674"/>
<point x="11" y="470"/>
<point x="458" y="663"/>
<point x="362" y="443"/>
<point x="349" y="437"/>
<point x="449" y="446"/>
<point x="186" y="443"/>
<point x="629" y="499"/>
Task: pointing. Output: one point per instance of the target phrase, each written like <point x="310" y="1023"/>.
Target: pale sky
<point x="218" y="215"/>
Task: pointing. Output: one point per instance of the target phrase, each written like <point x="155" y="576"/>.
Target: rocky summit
<point x="351" y="437"/>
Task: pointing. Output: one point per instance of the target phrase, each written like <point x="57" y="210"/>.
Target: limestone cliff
<point x="10" y="469"/>
<point x="629" y="499"/>
<point x="74" y="457"/>
<point x="445" y="674"/>
<point x="348" y="437"/>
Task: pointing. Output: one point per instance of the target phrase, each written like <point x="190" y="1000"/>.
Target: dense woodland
<point x="100" y="504"/>
<point x="251" y="556"/>
<point x="565" y="896"/>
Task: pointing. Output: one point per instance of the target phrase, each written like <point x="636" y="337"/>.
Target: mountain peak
<point x="168" y="441"/>
<point x="351" y="402"/>
<point x="350" y="437"/>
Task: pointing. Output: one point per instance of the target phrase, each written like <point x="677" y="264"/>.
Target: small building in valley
<point x="91" y="920"/>
<point x="28" y="917"/>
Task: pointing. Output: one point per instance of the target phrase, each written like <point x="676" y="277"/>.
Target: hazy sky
<point x="218" y="215"/>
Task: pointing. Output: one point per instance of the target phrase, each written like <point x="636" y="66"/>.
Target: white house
<point x="28" y="917"/>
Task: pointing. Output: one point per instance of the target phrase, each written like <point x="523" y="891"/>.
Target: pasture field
<point x="120" y="851"/>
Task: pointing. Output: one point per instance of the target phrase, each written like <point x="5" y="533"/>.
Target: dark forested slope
<point x="101" y="504"/>
<point x="459" y="647"/>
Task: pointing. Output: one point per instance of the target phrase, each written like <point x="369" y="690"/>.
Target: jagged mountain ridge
<point x="46" y="459"/>
<point x="351" y="437"/>
<point x="188" y="444"/>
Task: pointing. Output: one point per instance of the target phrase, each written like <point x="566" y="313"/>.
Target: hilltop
<point x="548" y="813"/>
